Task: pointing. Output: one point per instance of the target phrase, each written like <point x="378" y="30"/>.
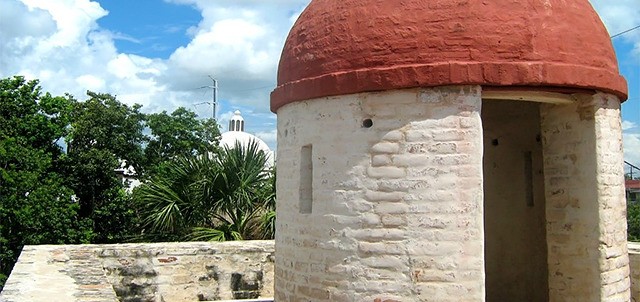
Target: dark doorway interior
<point x="514" y="204"/>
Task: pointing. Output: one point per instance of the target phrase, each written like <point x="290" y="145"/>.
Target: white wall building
<point x="236" y="133"/>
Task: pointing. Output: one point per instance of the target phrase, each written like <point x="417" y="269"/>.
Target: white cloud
<point x="626" y="125"/>
<point x="20" y="21"/>
<point x="632" y="147"/>
<point x="224" y="118"/>
<point x="237" y="42"/>
<point x="619" y="16"/>
<point x="74" y="19"/>
<point x="90" y="82"/>
<point x="269" y="137"/>
<point x="233" y="48"/>
<point x="631" y="139"/>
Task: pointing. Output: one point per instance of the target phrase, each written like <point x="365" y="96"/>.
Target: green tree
<point x="210" y="197"/>
<point x="633" y="221"/>
<point x="178" y="134"/>
<point x="103" y="134"/>
<point x="48" y="195"/>
<point x="268" y="227"/>
<point x="35" y="206"/>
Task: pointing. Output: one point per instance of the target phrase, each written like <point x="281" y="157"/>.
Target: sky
<point x="162" y="53"/>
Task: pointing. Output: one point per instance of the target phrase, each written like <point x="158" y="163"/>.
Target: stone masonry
<point x="384" y="221"/>
<point x="384" y="189"/>
<point x="192" y="271"/>
<point x="634" y="260"/>
<point x="59" y="273"/>
<point x="586" y="217"/>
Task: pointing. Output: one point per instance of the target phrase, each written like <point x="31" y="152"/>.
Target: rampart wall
<point x="186" y="271"/>
<point x="169" y="271"/>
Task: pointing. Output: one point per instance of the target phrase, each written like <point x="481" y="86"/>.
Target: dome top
<point x="236" y="123"/>
<point x="352" y="46"/>
<point x="236" y="134"/>
<point x="229" y="139"/>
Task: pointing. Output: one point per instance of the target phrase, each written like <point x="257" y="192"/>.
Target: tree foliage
<point x="633" y="221"/>
<point x="50" y="194"/>
<point x="35" y="206"/>
<point x="179" y="134"/>
<point x="103" y="133"/>
<point x="215" y="197"/>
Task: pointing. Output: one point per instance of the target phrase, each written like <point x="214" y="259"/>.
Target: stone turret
<point x="450" y="151"/>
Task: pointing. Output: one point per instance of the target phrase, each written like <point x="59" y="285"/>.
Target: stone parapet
<point x="57" y="273"/>
<point x="191" y="271"/>
<point x="90" y="272"/>
<point x="634" y="264"/>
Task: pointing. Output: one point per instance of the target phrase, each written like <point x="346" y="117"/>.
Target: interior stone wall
<point x="186" y="271"/>
<point x="396" y="197"/>
<point x="514" y="203"/>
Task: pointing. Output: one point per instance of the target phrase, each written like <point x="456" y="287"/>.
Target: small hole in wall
<point x="495" y="142"/>
<point x="367" y="123"/>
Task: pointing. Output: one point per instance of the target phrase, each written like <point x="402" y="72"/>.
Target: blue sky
<point x="629" y="64"/>
<point x="149" y="28"/>
<point x="159" y="53"/>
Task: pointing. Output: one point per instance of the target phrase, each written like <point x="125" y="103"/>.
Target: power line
<point x="237" y="90"/>
<point x="250" y="89"/>
<point x="624" y="32"/>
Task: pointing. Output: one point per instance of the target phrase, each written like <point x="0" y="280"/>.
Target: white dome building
<point x="236" y="134"/>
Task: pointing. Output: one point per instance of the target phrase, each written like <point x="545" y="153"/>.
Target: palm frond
<point x="213" y="197"/>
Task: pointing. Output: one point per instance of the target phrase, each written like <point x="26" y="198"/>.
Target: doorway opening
<point x="514" y="202"/>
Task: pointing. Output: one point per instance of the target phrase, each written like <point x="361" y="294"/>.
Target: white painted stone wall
<point x="586" y="222"/>
<point x="396" y="208"/>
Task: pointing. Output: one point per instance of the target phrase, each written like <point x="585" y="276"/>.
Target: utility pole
<point x="215" y="96"/>
<point x="214" y="101"/>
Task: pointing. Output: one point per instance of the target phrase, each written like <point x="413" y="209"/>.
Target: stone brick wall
<point x="189" y="271"/>
<point x="612" y="205"/>
<point x="385" y="221"/>
<point x="83" y="273"/>
<point x="584" y="183"/>
<point x="634" y="264"/>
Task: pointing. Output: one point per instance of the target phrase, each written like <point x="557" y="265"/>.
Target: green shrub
<point x="633" y="220"/>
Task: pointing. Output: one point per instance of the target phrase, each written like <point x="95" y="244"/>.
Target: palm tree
<point x="216" y="197"/>
<point x="268" y="226"/>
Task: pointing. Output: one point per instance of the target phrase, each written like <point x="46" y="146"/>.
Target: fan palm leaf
<point x="211" y="197"/>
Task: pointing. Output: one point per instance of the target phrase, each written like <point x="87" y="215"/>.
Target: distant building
<point x="632" y="189"/>
<point x="127" y="174"/>
<point x="632" y="184"/>
<point x="129" y="177"/>
<point x="236" y="134"/>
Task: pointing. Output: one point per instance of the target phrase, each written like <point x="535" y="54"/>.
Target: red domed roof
<point x="348" y="46"/>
